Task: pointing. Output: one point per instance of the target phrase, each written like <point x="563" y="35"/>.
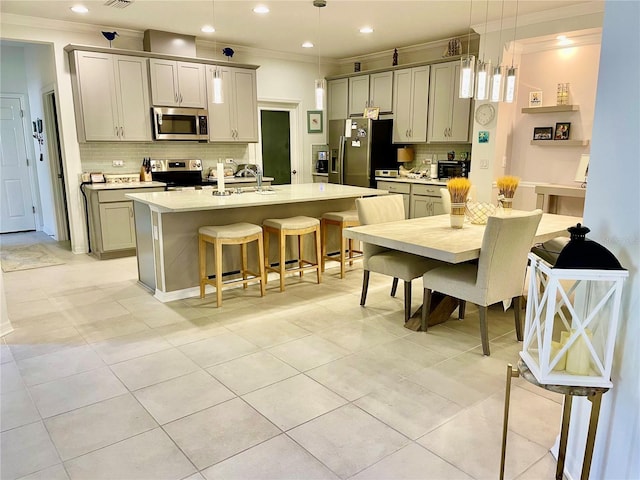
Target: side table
<point x="593" y="394"/>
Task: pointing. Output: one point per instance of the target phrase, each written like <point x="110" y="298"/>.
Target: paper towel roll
<point x="434" y="170"/>
<point x="220" y="177"/>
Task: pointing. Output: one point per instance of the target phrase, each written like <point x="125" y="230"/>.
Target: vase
<point x="456" y="216"/>
<point x="507" y="205"/>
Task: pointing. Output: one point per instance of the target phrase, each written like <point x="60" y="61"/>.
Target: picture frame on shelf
<point x="314" y="121"/>
<point x="535" y="99"/>
<point x="371" y="112"/>
<point x="562" y="131"/>
<point x="543" y="133"/>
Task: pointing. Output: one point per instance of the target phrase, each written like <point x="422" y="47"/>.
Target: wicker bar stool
<point x="283" y="227"/>
<point x="341" y="220"/>
<point x="234" y="234"/>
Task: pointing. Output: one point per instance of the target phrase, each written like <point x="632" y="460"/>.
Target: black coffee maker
<point x="322" y="162"/>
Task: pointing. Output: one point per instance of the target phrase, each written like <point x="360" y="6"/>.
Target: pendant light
<point x="467" y="65"/>
<point x="510" y="88"/>
<point x="320" y="84"/>
<point x="497" y="77"/>
<point x="483" y="73"/>
<point x="216" y="74"/>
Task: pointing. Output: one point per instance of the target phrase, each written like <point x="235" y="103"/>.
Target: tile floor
<point x="102" y="381"/>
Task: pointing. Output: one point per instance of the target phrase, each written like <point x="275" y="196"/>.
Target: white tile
<point x="543" y="468"/>
<point x="126" y="347"/>
<point x="153" y="368"/>
<point x="151" y="455"/>
<point x="190" y="331"/>
<point x="26" y="450"/>
<point x="400" y="357"/>
<point x="182" y="396"/>
<point x="115" y="327"/>
<point x="209" y="436"/>
<point x="411" y="463"/>
<point x="95" y="312"/>
<point x="445" y="340"/>
<point x="5" y="353"/>
<point x="31" y="343"/>
<point x="308" y="352"/>
<point x="355" y="336"/>
<point x="17" y="409"/>
<point x="111" y="421"/>
<point x="279" y="458"/>
<point x="348" y="440"/>
<point x="251" y="372"/>
<point x="268" y="333"/>
<point x="10" y="378"/>
<point x="57" y="472"/>
<point x="77" y="391"/>
<point x="53" y="366"/>
<point x="218" y="349"/>
<point x="293" y="401"/>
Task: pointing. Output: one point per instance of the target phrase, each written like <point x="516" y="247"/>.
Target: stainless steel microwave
<point x="180" y="123"/>
<point x="453" y="168"/>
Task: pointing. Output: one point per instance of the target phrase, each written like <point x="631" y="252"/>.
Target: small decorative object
<point x="314" y="121"/>
<point x="228" y="52"/>
<point x="572" y="314"/>
<point x="451" y="155"/>
<point x="543" y="133"/>
<point x="454" y="47"/>
<point x="110" y="36"/>
<point x="483" y="136"/>
<point x="535" y="99"/>
<point x="562" y="131"/>
<point x="371" y="112"/>
<point x="459" y="190"/>
<point x="485" y="113"/>
<point x="395" y="57"/>
<point x="356" y="66"/>
<point x="478" y="212"/>
<point x="507" y="186"/>
<point x="562" y="94"/>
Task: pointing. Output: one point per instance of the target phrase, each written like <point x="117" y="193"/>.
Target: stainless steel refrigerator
<point x="358" y="147"/>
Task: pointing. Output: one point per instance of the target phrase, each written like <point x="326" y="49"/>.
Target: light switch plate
<point x="118" y="163"/>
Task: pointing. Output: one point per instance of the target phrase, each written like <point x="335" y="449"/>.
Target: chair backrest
<point x="380" y="209"/>
<point x="446" y="200"/>
<point x="503" y="257"/>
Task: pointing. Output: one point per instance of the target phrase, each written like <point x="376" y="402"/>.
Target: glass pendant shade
<point x="320" y="89"/>
<point x="497" y="84"/>
<point x="483" y="77"/>
<point x="467" y="76"/>
<point x="217" y="89"/>
<point x="510" y="88"/>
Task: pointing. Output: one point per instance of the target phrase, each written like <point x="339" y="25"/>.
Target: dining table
<point x="433" y="237"/>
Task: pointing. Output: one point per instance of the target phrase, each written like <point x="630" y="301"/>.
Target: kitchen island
<point x="167" y="227"/>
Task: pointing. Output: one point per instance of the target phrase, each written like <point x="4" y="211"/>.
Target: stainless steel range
<point x="177" y="173"/>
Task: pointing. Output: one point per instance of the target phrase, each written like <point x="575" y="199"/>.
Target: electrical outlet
<point x="228" y="160"/>
<point x="118" y="163"/>
<point x="484" y="163"/>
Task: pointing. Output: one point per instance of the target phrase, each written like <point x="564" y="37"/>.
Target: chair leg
<point x="263" y="273"/>
<point x="365" y="287"/>
<point x="426" y="309"/>
<point x="318" y="256"/>
<point x="394" y="287"/>
<point x="300" y="255"/>
<point x="516" y="316"/>
<point x="218" y="259"/>
<point x="202" y="253"/>
<point x="407" y="301"/>
<point x="343" y="251"/>
<point x="484" y="329"/>
<point x="243" y="252"/>
<point x="323" y="229"/>
<point x="461" y="309"/>
<point x="283" y="257"/>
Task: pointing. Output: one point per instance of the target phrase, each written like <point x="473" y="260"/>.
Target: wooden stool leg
<point x="351" y="252"/>
<point x="323" y="229"/>
<point x="300" y="255"/>
<point x="283" y="257"/>
<point x="343" y="250"/>
<point x="263" y="275"/>
<point x="218" y="259"/>
<point x="265" y="235"/>
<point x="243" y="249"/>
<point x="202" y="260"/>
<point x="317" y="236"/>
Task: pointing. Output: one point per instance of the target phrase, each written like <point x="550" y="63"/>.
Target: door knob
<point x="294" y="172"/>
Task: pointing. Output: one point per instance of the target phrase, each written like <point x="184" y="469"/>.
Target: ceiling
<point x="334" y="29"/>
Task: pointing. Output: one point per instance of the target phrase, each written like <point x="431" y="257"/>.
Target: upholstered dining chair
<point x="498" y="274"/>
<point x="394" y="263"/>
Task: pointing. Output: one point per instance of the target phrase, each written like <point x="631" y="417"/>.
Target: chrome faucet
<point x="257" y="174"/>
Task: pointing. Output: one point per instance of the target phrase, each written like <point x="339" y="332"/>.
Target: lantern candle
<point x="578" y="356"/>
<point x="220" y="177"/>
<point x="562" y="362"/>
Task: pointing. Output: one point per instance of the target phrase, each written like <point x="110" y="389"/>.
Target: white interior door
<point x="16" y="208"/>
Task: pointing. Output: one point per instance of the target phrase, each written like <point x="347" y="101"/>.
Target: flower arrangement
<point x="458" y="190"/>
<point x="507" y="186"/>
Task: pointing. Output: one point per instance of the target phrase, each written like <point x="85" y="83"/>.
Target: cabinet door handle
<point x="180" y="98"/>
<point x="175" y="96"/>
<point x="116" y="129"/>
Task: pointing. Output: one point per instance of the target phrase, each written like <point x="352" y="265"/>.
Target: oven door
<point x="450" y="169"/>
<point x="180" y="124"/>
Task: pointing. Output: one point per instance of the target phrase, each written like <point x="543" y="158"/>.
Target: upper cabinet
<point x="410" y="103"/>
<point x="338" y="99"/>
<point x="448" y="114"/>
<point x="111" y="97"/>
<point x="177" y="84"/>
<point x="235" y="120"/>
<point x="375" y="90"/>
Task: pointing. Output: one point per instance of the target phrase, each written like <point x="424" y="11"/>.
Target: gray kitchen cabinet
<point x="235" y="120"/>
<point x="403" y="189"/>
<point x="111" y="223"/>
<point x="410" y="104"/>
<point x="111" y="97"/>
<point x="374" y="90"/>
<point x="425" y="201"/>
<point x="338" y="99"/>
<point x="177" y="84"/>
<point x="448" y="114"/>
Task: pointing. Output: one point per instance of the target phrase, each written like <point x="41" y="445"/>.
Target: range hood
<point x="157" y="41"/>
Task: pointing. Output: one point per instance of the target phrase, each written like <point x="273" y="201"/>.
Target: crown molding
<point x="592" y="36"/>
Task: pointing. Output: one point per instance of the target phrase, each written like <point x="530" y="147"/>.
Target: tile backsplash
<point x="434" y="152"/>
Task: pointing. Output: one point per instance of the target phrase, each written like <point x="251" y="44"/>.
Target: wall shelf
<point x="552" y="109"/>
<point x="560" y="143"/>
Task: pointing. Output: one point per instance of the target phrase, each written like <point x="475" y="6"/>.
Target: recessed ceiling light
<point x="79" y="9"/>
<point x="563" y="40"/>
<point x="366" y="30"/>
<point x="307" y="45"/>
<point x="208" y="29"/>
<point x="261" y="9"/>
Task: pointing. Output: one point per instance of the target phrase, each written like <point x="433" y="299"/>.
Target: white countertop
<point x="422" y="181"/>
<point x="193" y="200"/>
<point x="231" y="179"/>
<point x="123" y="186"/>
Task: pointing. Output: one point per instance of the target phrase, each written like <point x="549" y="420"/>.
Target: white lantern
<point x="572" y="314"/>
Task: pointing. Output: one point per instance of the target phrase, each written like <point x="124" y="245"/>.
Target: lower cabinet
<point x="398" y="187"/>
<point x="425" y="201"/>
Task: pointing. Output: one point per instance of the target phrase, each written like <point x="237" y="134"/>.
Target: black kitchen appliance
<point x="454" y="168"/>
<point x="177" y="173"/>
<point x="180" y="124"/>
<point x="322" y="162"/>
